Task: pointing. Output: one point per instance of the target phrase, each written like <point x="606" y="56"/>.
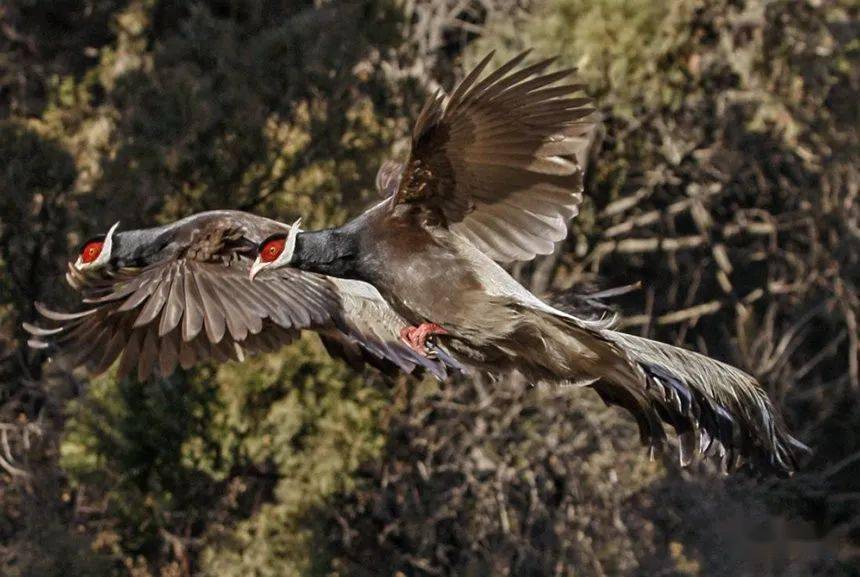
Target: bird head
<point x="132" y="248"/>
<point x="96" y="252"/>
<point x="276" y="251"/>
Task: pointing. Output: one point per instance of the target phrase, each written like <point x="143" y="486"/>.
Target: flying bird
<point x="494" y="174"/>
<point x="179" y="294"/>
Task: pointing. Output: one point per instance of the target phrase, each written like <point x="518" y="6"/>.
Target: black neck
<point x="331" y="252"/>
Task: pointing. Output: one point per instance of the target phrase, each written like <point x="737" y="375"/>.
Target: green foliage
<point x="313" y="436"/>
<point x="238" y="458"/>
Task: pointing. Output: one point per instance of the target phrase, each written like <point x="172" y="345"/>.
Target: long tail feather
<point x="715" y="408"/>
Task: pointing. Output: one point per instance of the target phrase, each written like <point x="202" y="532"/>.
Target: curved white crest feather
<point x="287" y="256"/>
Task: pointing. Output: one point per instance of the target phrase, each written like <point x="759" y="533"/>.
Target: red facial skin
<point x="91" y="251"/>
<point x="272" y="249"/>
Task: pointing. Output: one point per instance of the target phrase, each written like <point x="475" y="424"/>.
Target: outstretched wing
<point x="200" y="304"/>
<point x="500" y="160"/>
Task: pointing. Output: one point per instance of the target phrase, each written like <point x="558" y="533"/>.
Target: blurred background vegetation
<point x="725" y="178"/>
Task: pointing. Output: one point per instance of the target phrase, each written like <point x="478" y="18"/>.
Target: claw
<point x="416" y="337"/>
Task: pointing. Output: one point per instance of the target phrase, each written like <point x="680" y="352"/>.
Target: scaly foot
<point x="416" y="337"/>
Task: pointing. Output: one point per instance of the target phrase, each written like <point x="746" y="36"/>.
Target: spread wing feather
<point x="200" y="304"/>
<point x="500" y="160"/>
<point x="183" y="310"/>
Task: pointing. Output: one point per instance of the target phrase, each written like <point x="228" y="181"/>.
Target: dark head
<point x="330" y="252"/>
<point x="118" y="249"/>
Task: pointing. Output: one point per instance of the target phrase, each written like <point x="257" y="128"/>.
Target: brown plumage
<point x="494" y="174"/>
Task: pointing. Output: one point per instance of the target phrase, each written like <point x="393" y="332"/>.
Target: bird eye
<point x="91" y="251"/>
<point x="272" y="249"/>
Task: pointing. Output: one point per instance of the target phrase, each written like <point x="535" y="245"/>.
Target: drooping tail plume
<point x="716" y="409"/>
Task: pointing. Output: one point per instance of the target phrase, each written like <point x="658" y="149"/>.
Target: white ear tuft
<point x="107" y="248"/>
<point x="287" y="256"/>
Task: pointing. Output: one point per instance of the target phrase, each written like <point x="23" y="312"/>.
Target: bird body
<point x="494" y="174"/>
<point x="425" y="274"/>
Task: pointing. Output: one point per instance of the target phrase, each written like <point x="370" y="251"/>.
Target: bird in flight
<point x="179" y="294"/>
<point x="494" y="174"/>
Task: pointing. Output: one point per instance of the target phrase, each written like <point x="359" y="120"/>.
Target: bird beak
<point x="256" y="268"/>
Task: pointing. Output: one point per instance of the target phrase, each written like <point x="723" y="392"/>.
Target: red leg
<point x="416" y="337"/>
